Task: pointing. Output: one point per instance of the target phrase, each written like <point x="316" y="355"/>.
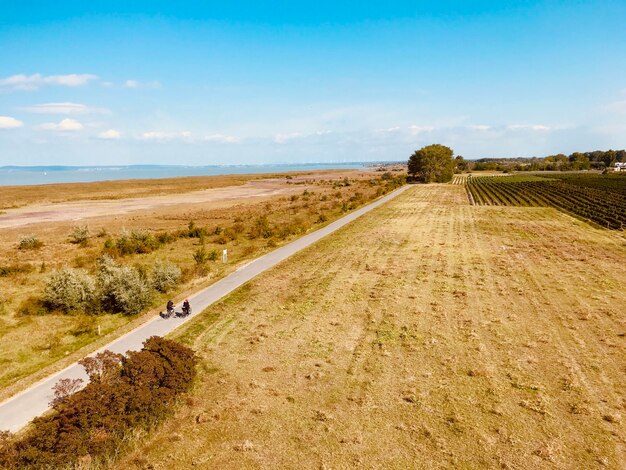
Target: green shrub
<point x="69" y="290"/>
<point x="193" y="231"/>
<point x="221" y="239"/>
<point x="165" y="238"/>
<point x="79" y="235"/>
<point x="165" y="276"/>
<point x="261" y="228"/>
<point x="201" y="256"/>
<point x="29" y="242"/>
<point x="136" y="242"/>
<point x="121" y="289"/>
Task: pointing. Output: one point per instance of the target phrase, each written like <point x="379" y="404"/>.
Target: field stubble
<point x="428" y="334"/>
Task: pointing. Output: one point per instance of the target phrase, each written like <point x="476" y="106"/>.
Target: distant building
<point x="619" y="166"/>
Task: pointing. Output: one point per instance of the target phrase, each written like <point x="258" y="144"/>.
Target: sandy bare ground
<point x="428" y="334"/>
<point x="78" y="210"/>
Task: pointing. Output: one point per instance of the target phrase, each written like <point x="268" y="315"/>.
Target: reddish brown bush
<point x="137" y="391"/>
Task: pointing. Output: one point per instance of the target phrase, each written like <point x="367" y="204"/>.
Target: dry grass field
<point x="427" y="334"/>
<point x="31" y="340"/>
<point x="18" y="196"/>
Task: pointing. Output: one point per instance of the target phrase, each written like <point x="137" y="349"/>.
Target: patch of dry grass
<point x="427" y="334"/>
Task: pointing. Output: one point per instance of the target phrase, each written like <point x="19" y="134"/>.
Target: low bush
<point x="193" y="231"/>
<point x="79" y="235"/>
<point x="69" y="290"/>
<point x="29" y="242"/>
<point x="221" y="239"/>
<point x="261" y="228"/>
<point x="21" y="268"/>
<point x="136" y="242"/>
<point x="213" y="255"/>
<point x="165" y="276"/>
<point x="121" y="289"/>
<point x="165" y="237"/>
<point x="201" y="256"/>
<point x="125" y="394"/>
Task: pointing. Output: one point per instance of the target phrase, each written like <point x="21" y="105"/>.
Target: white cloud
<point x="138" y="84"/>
<point x="111" y="134"/>
<point x="166" y="136"/>
<point x="63" y="108"/>
<point x="36" y="81"/>
<point x="187" y="136"/>
<point x="64" y="125"/>
<point x="390" y="129"/>
<point x="8" y="122"/>
<point x="527" y="127"/>
<point x="419" y="129"/>
<point x="221" y="138"/>
<point x="282" y="138"/>
<point x="479" y="127"/>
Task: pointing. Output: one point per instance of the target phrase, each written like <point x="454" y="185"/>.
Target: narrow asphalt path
<point x="19" y="410"/>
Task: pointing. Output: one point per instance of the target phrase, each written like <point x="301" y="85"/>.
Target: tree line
<point x="436" y="163"/>
<point x="596" y="160"/>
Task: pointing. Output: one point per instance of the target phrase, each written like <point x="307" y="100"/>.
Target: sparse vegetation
<point x="29" y="242"/>
<point x="31" y="324"/>
<point x="79" y="235"/>
<point x="16" y="268"/>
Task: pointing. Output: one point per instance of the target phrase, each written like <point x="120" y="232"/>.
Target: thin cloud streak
<point x="35" y="81"/>
<point x="63" y="108"/>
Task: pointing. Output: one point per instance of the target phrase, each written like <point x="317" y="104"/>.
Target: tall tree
<point x="432" y="164"/>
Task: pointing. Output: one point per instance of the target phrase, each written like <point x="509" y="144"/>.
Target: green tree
<point x="579" y="161"/>
<point x="460" y="164"/>
<point x="432" y="164"/>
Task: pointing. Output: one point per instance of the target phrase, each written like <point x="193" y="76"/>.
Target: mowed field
<point x="428" y="334"/>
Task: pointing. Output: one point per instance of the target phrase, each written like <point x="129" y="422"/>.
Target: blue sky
<point x="266" y="82"/>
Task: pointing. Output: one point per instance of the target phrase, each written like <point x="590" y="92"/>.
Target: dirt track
<point x="429" y="334"/>
<point x="78" y="210"/>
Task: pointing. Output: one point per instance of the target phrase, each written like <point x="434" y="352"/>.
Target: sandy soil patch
<point x="78" y="210"/>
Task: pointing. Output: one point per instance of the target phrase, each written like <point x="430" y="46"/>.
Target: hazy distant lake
<point x="27" y="175"/>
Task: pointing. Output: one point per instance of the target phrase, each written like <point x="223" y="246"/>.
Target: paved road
<point x="20" y="409"/>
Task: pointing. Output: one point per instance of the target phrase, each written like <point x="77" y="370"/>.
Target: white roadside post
<point x="224" y="256"/>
